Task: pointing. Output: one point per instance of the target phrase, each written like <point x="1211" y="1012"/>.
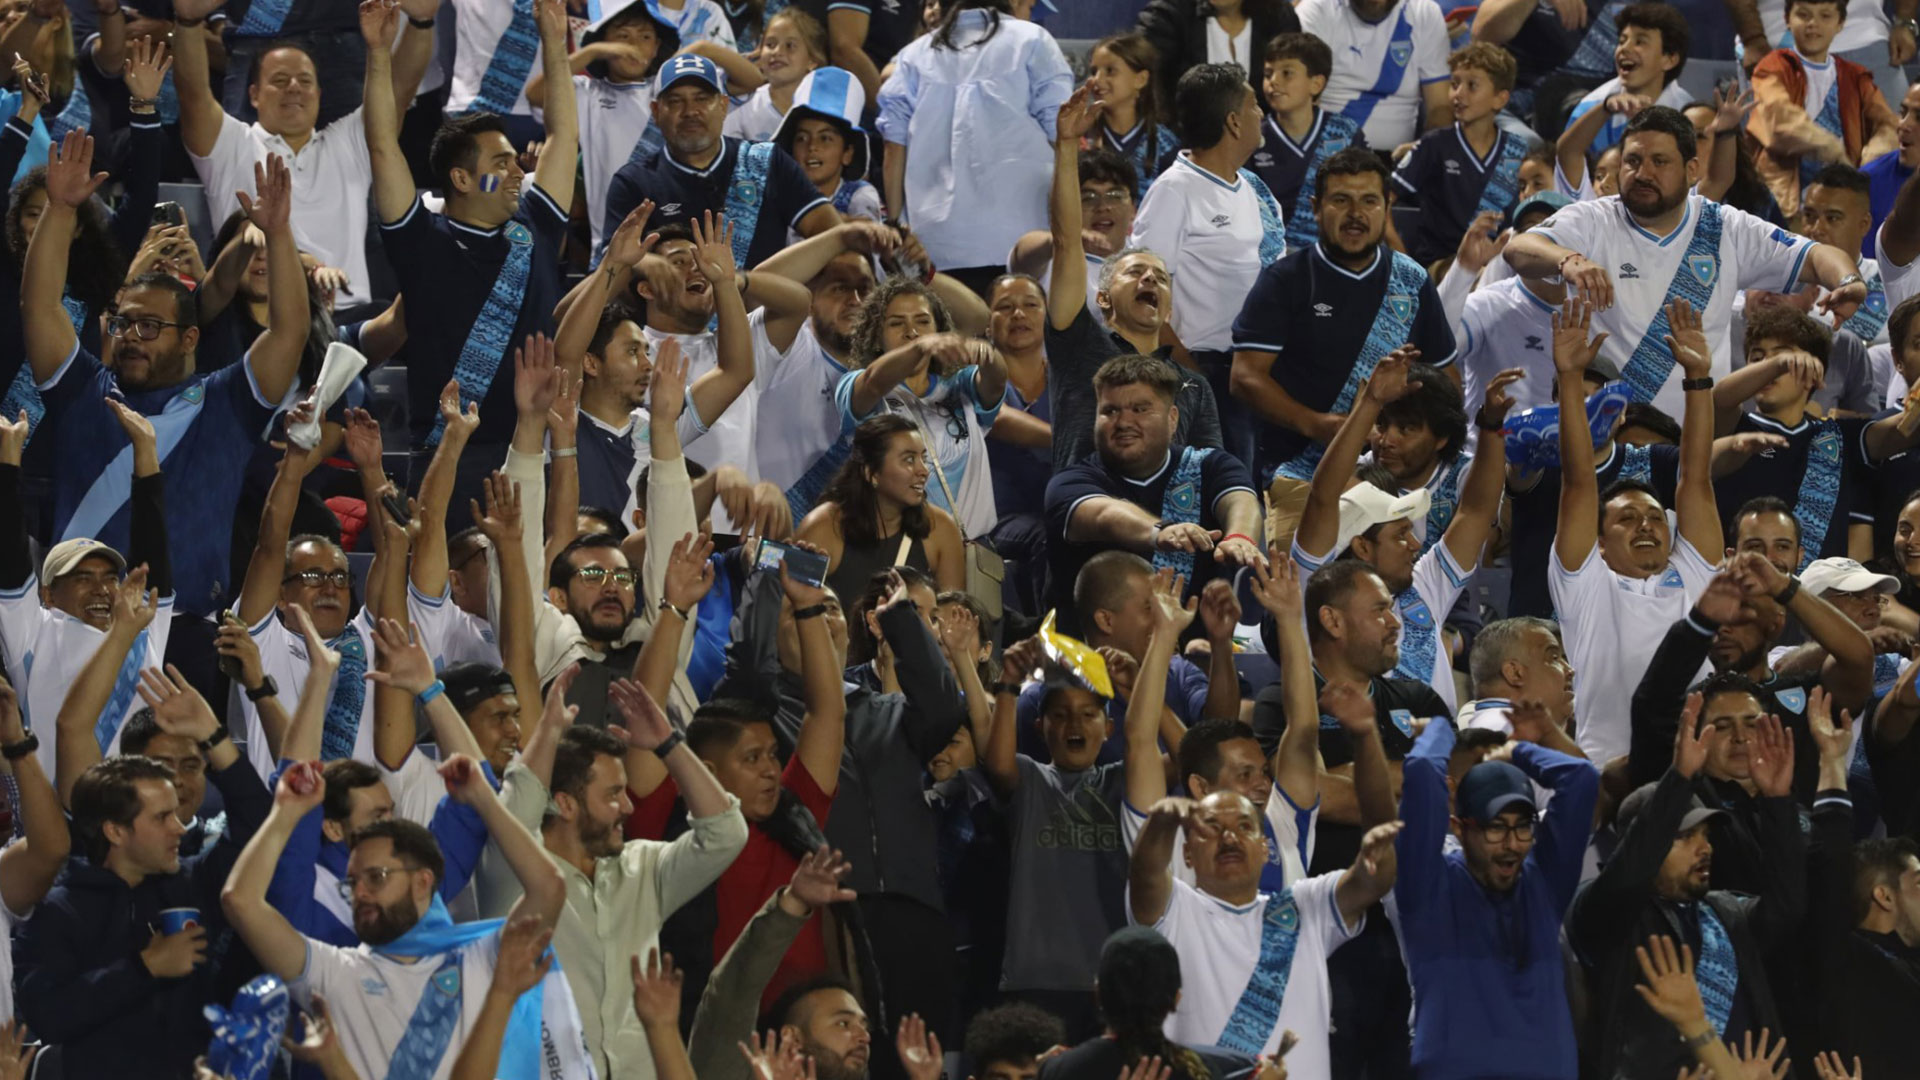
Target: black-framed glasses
<point x="313" y="579"/>
<point x="1497" y="831"/>
<point x="375" y="877"/>
<point x="146" y="327"/>
<point x="596" y="576"/>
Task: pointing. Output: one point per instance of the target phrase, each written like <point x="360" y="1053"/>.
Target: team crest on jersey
<point x="518" y="235"/>
<point x="1877" y="302"/>
<point x="745" y="192"/>
<point x="1402" y="719"/>
<point x="1401" y="305"/>
<point x="192" y="394"/>
<point x="1827" y="445"/>
<point x="1401" y="51"/>
<point x="1704" y="268"/>
<point x="448" y="981"/>
<point x="1793" y="699"/>
<point x="1671" y="579"/>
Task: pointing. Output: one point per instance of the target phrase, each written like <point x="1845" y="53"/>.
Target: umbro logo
<point x="1263" y="160"/>
<point x="1533" y="342"/>
<point x="1325" y="311"/>
<point x="670" y="209"/>
<point x="1628" y="271"/>
<point x="1221" y="221"/>
<point x="1453" y="167"/>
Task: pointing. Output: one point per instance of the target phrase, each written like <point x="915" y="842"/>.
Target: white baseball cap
<point x="1363" y="506"/>
<point x="1823" y="576"/>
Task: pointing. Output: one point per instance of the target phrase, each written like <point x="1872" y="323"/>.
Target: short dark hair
<point x="1134" y="368"/>
<point x="1876" y="862"/>
<point x="260" y="58"/>
<point x="1329" y="587"/>
<point x="1312" y="53"/>
<point x="464" y="545"/>
<point x="1900" y="323"/>
<point x="784" y="1007"/>
<point x="1761" y="504"/>
<point x="1014" y="1034"/>
<point x="1353" y="161"/>
<point x="1661" y="119"/>
<point x="615" y="527"/>
<point x="1098" y="585"/>
<point x="1622" y="486"/>
<point x="1841" y="4"/>
<point x="1790" y="327"/>
<point x="1665" y="20"/>
<point x="562" y="570"/>
<point x="186" y="309"/>
<point x="573" y="757"/>
<point x="1203" y="99"/>
<point x="1729" y="682"/>
<point x="718" y="724"/>
<point x="457" y="146"/>
<point x="1103" y="166"/>
<point x="410" y="840"/>
<point x="1200" y="748"/>
<point x="109" y="793"/>
<point x="617" y="314"/>
<point x="1839" y="174"/>
<point x="139" y="732"/>
<point x="1435" y="403"/>
<point x="1644" y="414"/>
<point x="343" y="777"/>
<point x="1496" y="63"/>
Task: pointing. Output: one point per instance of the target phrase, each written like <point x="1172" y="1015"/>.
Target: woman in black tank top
<point x="874" y="513"/>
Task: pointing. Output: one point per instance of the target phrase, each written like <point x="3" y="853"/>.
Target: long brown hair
<point x="1134" y="50"/>
<point x="852" y="490"/>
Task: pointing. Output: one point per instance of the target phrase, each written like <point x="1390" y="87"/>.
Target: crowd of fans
<point x="804" y="540"/>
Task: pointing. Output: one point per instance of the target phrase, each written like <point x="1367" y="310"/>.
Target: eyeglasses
<point x="375" y="877"/>
<point x="146" y="329"/>
<point x="1116" y="197"/>
<point x="313" y="579"/>
<point x="597" y="575"/>
<point x="1496" y="831"/>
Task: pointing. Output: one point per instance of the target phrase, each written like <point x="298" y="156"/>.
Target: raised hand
<point x="631" y="241"/>
<point x="536" y="377"/>
<point x="689" y="571"/>
<point x="1376" y="849"/>
<point x="466" y="781"/>
<point x="897" y="594"/>
<point x="1772" y="758"/>
<point x="33" y="87"/>
<point x="1498" y="403"/>
<point x="1830" y="1066"/>
<point x="524" y="956"/>
<point x="1276" y="586"/>
<point x="1480" y="246"/>
<point x="361" y="433"/>
<point x="13" y="438"/>
<point x="1834" y="740"/>
<point x="1020" y="660"/>
<point x="500" y="520"/>
<point x="1181" y="811"/>
<point x="799" y="593"/>
<point x="1757" y="1060"/>
<point x="958" y="633"/>
<point x="272" y="207"/>
<point x="139" y="429"/>
<point x="656" y="990"/>
<point x="1078" y="114"/>
<point x="919" y="1048"/>
<point x="237" y="649"/>
<point x="713" y="249"/>
<point x="379" y="22"/>
<point x="816" y="881"/>
<point x="667" y="387"/>
<point x="647" y="724"/>
<point x="1692" y="739"/>
<point x="302" y="786"/>
<point x="460" y="424"/>
<point x="1350" y="706"/>
<point x="400" y="660"/>
<point x="1573" y="351"/>
<point x="133" y="603"/>
<point x="1171" y="612"/>
<point x="15" y="1054"/>
<point x="551" y="17"/>
<point x="177" y="707"/>
<point x="778" y="1057"/>
<point x="1122" y="670"/>
<point x="1688" y="341"/>
<point x="1219" y="612"/>
<point x="146" y="67"/>
<point x="1757" y="574"/>
<point x="71" y="180"/>
<point x="1390" y="380"/>
<point x="563" y="418"/>
<point x="1670" y="989"/>
<point x="1529" y="719"/>
<point x="1730" y="108"/>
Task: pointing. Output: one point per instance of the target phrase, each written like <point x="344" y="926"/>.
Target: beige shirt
<point x="617" y="914"/>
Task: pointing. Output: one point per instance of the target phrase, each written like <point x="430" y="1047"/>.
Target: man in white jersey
<point x="1897" y="245"/>
<point x="332" y="172"/>
<point x="1389" y="63"/>
<point x="1253" y="964"/>
<point x="1631" y="255"/>
<point x="1618" y="577"/>
<point x="1378" y="525"/>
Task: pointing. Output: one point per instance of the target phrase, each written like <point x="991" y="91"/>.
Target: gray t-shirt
<point x="1069" y="875"/>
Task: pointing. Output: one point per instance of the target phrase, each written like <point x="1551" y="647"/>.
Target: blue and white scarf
<point x="1273" y="223"/>
<point x="1336" y="134"/>
<point x="1181" y="504"/>
<point x="1867" y="323"/>
<point x="1718" y="969"/>
<point x="491" y="338"/>
<point x="264" y="18"/>
<point x="342" y="726"/>
<point x="746" y="193"/>
<point x="1444" y="499"/>
<point x="1251" y="1023"/>
<point x="1819" y="488"/>
<point x="1419" y="637"/>
<point x="1647" y="369"/>
<point x="1503" y="176"/>
<point x="125" y="684"/>
<point x="513" y="57"/>
<point x="1827" y="120"/>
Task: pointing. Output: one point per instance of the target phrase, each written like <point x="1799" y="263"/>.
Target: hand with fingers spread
<point x="1670" y="989"/>
<point x="1147" y="1068"/>
<point x="1772" y="758"/>
<point x="631" y="241"/>
<point x="1482" y="243"/>
<point x="689" y="574"/>
<point x="379" y="23"/>
<point x="460" y="423"/>
<point x="777" y="1056"/>
<point x="1757" y="1060"/>
<point x="1687" y="340"/>
<point x="647" y="724"/>
<point x="525" y="956"/>
<point x="1172" y="611"/>
<point x="71" y="180"/>
<point x="1079" y="113"/>
<point x="133" y="603"/>
<point x="958" y="632"/>
<point x="816" y="881"/>
<point x="500" y="519"/>
<point x="362" y="437"/>
<point x="1276" y="585"/>
<point x="919" y="1048"/>
<point x="1730" y="108"/>
<point x="537" y="378"/>
<point x="713" y="250"/>
<point x="146" y="68"/>
<point x="271" y="207"/>
<point x="656" y="991"/>
<point x="1573" y="351"/>
<point x="178" y="709"/>
<point x="1692" y="739"/>
<point x="1219" y="612"/>
<point x="1830" y="1066"/>
<point x="400" y="660"/>
<point x="1498" y="403"/>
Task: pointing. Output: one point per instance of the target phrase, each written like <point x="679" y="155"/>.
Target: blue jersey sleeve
<point x="791" y="196"/>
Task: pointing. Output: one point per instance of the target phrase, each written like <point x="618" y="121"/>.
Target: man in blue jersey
<point x="206" y="426"/>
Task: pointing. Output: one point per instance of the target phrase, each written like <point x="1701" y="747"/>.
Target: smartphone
<point x="169" y="213"/>
<point x="396" y="508"/>
<point x="805" y="566"/>
<point x="230" y="665"/>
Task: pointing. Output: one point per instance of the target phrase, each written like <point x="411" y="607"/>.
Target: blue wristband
<point x="431" y="692"/>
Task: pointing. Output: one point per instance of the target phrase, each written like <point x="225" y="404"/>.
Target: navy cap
<point x="689" y="66"/>
<point x="470" y="684"/>
<point x="1489" y="788"/>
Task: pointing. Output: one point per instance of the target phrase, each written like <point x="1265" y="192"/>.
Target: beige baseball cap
<point x="68" y="554"/>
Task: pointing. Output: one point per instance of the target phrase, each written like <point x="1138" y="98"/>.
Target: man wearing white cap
<point x="762" y="191"/>
<point x="1856" y="592"/>
<point x="1378" y="524"/>
<point x="822" y="132"/>
<point x="52" y="622"/>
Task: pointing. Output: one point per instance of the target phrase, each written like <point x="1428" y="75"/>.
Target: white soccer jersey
<point x="1208" y="231"/>
<point x="728" y="439"/>
<point x="755" y="119"/>
<point x="1504" y="325"/>
<point x="1900" y="281"/>
<point x="1289" y="843"/>
<point x="793" y="438"/>
<point x="1751" y="255"/>
<point x="613" y="116"/>
<point x="1361" y="53"/>
<point x="1866" y="27"/>
<point x="1438" y="582"/>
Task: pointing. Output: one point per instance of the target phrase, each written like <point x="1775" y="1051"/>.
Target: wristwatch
<point x="1911" y="26"/>
<point x="16" y="751"/>
<point x="1850" y="279"/>
<point x="219" y="736"/>
<point x="267" y="688"/>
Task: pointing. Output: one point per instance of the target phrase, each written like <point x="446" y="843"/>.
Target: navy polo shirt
<point x="682" y="194"/>
<point x="447" y="271"/>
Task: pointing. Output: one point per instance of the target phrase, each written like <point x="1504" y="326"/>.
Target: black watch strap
<point x="16" y="751"/>
<point x="419" y="24"/>
<point x="267" y="688"/>
<point x="220" y="735"/>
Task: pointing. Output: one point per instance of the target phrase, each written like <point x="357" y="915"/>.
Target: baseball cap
<point x="1489" y="788"/>
<point x="829" y="93"/>
<point x="471" y="683"/>
<point x="1548" y="201"/>
<point x="1823" y="576"/>
<point x="1363" y="506"/>
<point x="1636" y="803"/>
<point x="68" y="554"/>
<point x="689" y="66"/>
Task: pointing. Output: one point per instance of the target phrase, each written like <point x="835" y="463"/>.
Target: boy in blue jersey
<point x="206" y="426"/>
<point x="1454" y="175"/>
<point x="1299" y="136"/>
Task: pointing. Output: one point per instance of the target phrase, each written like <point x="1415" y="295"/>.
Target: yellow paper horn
<point x="1078" y="657"/>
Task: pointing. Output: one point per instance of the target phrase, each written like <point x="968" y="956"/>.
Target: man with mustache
<point x="1657" y="882"/>
<point x="1633" y="255"/>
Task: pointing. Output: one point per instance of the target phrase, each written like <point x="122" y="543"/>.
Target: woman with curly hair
<point x="908" y="360"/>
<point x="874" y="514"/>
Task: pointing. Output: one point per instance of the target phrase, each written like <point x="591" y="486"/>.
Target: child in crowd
<point x="822" y="131"/>
<point x="1298" y="136"/>
<point x="1455" y="175"/>
<point x="1647" y="65"/>
<point x="1121" y="68"/>
<point x="1813" y="108"/>
<point x="613" y="93"/>
<point x="697" y="21"/>
<point x="794" y="44"/>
